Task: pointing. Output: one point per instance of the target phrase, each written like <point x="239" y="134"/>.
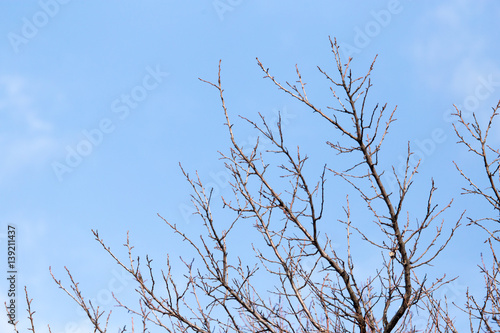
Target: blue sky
<point x="116" y="82"/>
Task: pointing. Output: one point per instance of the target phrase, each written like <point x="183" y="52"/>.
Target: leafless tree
<point x="484" y="314"/>
<point x="300" y="281"/>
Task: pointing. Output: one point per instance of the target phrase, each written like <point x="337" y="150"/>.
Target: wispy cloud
<point x="26" y="138"/>
<point x="453" y="55"/>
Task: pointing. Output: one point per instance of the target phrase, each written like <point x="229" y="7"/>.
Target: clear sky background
<point x="67" y="67"/>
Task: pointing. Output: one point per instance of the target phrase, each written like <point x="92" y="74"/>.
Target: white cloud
<point x="451" y="52"/>
<point x="447" y="16"/>
<point x="26" y="139"/>
<point x="17" y="104"/>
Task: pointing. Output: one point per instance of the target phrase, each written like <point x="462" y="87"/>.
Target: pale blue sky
<point x="67" y="67"/>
